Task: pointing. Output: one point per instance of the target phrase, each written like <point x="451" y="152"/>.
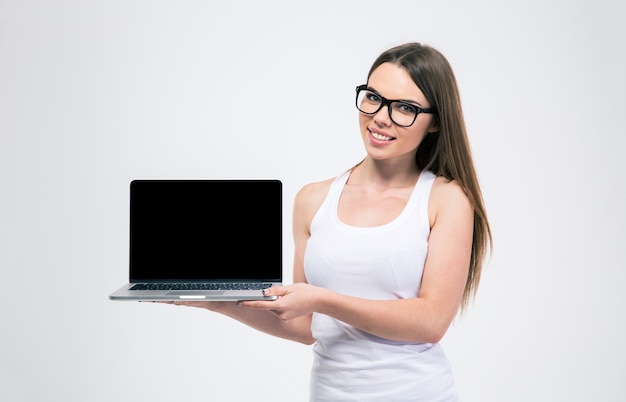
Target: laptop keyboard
<point x="201" y="286"/>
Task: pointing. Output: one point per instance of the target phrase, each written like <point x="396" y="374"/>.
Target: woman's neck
<point x="398" y="173"/>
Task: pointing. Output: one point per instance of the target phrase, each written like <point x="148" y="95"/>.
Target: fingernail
<point x="265" y="290"/>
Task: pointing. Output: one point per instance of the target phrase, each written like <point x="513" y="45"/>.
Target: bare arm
<point x="425" y="318"/>
<point x="298" y="330"/>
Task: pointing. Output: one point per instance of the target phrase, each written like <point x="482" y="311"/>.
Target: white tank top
<point x="383" y="262"/>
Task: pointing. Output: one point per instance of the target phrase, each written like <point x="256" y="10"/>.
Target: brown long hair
<point x="446" y="152"/>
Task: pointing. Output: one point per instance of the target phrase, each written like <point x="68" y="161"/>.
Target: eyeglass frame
<point x="388" y="102"/>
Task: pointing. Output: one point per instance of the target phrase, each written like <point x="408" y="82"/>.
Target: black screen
<point x="206" y="230"/>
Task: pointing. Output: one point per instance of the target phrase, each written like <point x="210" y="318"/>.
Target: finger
<point x="257" y="304"/>
<point x="275" y="291"/>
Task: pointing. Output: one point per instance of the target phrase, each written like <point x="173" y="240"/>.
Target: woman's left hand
<point x="293" y="301"/>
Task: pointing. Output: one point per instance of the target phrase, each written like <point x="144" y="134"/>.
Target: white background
<point x="96" y="93"/>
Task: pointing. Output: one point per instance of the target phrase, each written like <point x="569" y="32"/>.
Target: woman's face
<point x="383" y="138"/>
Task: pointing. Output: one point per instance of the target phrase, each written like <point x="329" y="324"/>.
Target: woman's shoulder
<point x="308" y="200"/>
<point x="448" y="195"/>
<point x="312" y="194"/>
<point x="447" y="185"/>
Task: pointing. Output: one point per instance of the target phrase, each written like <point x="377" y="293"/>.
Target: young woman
<point x="388" y="252"/>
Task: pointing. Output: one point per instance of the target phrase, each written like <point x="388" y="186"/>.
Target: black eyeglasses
<point x="401" y="112"/>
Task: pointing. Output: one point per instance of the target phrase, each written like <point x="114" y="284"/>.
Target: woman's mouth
<point x="381" y="137"/>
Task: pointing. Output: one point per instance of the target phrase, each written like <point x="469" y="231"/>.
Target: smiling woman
<point x="387" y="252"/>
<point x="95" y="93"/>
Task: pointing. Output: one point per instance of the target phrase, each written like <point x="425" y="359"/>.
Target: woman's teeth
<point x="381" y="137"/>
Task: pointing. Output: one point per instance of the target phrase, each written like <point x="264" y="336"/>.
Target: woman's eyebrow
<point x="400" y="100"/>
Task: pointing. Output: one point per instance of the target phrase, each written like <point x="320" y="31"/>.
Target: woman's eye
<point x="372" y="97"/>
<point x="406" y="108"/>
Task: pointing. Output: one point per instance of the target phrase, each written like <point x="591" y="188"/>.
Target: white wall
<point x="96" y="93"/>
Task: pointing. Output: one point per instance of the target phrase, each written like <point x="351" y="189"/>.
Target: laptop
<point x="203" y="240"/>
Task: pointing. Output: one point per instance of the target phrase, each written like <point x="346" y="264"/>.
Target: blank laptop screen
<point x="206" y="230"/>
